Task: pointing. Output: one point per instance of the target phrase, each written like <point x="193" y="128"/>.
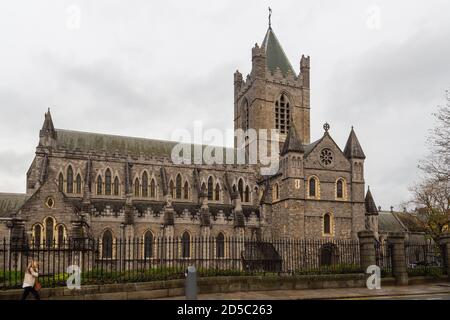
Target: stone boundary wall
<point x="172" y="288"/>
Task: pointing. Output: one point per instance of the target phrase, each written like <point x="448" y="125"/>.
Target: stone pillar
<point x="396" y="241"/>
<point x="444" y="242"/>
<point x="367" y="248"/>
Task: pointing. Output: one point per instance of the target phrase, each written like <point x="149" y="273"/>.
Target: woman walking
<point x="30" y="282"/>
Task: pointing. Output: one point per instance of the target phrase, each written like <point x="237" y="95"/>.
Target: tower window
<point x="327" y="223"/>
<point x="246" y="116"/>
<point x="282" y="114"/>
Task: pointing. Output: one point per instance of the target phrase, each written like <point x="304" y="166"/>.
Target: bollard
<point x="191" y="283"/>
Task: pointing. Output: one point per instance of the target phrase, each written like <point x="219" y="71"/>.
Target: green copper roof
<point x="11" y="203"/>
<point x="275" y="55"/>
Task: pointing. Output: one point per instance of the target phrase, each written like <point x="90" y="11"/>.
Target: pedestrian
<point x="30" y="281"/>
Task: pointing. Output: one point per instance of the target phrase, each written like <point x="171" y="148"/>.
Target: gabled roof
<point x="87" y="141"/>
<point x="275" y="56"/>
<point x="387" y="222"/>
<point x="371" y="208"/>
<point x="353" y="148"/>
<point x="10" y="203"/>
<point x="293" y="142"/>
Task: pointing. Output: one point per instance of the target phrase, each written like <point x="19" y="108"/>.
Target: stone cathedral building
<point x="93" y="185"/>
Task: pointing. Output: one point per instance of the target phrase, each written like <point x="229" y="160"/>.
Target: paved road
<point x="436" y="291"/>
<point x="438" y="296"/>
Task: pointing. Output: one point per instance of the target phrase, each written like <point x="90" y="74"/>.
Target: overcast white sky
<point x="145" y="68"/>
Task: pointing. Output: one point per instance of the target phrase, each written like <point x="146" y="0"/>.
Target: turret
<point x="258" y="62"/>
<point x="304" y="70"/>
<point x="47" y="135"/>
<point x="371" y="213"/>
<point x="355" y="154"/>
<point x="292" y="155"/>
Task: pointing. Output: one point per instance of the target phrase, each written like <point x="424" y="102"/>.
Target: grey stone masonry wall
<point x="367" y="248"/>
<point x="445" y="243"/>
<point x="396" y="240"/>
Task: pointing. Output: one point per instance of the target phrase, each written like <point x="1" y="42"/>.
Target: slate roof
<point x="87" y="141"/>
<point x="275" y="56"/>
<point x="10" y="203"/>
<point x="353" y="148"/>
<point x="371" y="208"/>
<point x="387" y="222"/>
<point x="399" y="221"/>
<point x="293" y="142"/>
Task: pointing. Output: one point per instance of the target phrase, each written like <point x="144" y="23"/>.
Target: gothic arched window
<point x="153" y="189"/>
<point x="186" y="190"/>
<point x="78" y="184"/>
<point x="136" y="187"/>
<point x="145" y="184"/>
<point x="99" y="185"/>
<point x="245" y="116"/>
<point x="186" y="245"/>
<point x="61" y="182"/>
<point x="116" y="186"/>
<point x="69" y="188"/>
<point x="247" y="194"/>
<point x="108" y="182"/>
<point x="172" y="189"/>
<point x="178" y="186"/>
<point x="49" y="225"/>
<point x="61" y="233"/>
<point x="312" y="187"/>
<point x="148" y="245"/>
<point x="37" y="233"/>
<point x="241" y="189"/>
<point x="210" y="188"/>
<point x="340" y="189"/>
<point x="220" y="245"/>
<point x="275" y="192"/>
<point x="107" y="245"/>
<point x="282" y="114"/>
<point x="217" y="192"/>
<point x="327" y="223"/>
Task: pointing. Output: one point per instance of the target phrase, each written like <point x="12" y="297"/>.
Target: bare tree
<point x="437" y="163"/>
<point x="432" y="195"/>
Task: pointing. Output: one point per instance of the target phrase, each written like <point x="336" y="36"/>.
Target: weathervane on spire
<point x="270" y="16"/>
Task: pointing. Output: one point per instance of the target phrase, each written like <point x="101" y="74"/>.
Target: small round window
<point x="326" y="157"/>
<point x="50" y="203"/>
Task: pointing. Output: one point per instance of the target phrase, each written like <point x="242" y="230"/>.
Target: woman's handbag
<point x="37" y="285"/>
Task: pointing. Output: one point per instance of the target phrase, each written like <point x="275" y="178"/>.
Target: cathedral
<point x="89" y="185"/>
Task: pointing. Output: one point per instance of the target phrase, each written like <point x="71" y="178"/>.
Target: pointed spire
<point x="293" y="142"/>
<point x="371" y="208"/>
<point x="275" y="56"/>
<point x="353" y="148"/>
<point x="48" y="127"/>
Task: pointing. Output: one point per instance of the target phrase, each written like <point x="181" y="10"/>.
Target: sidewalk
<point x="348" y="293"/>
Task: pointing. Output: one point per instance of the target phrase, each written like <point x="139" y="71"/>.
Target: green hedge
<point x="427" y="271"/>
<point x="342" y="268"/>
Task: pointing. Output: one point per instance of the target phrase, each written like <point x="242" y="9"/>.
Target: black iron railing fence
<point x="383" y="258"/>
<point x="425" y="259"/>
<point x="133" y="260"/>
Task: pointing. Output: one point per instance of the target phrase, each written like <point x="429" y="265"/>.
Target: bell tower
<point x="273" y="95"/>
